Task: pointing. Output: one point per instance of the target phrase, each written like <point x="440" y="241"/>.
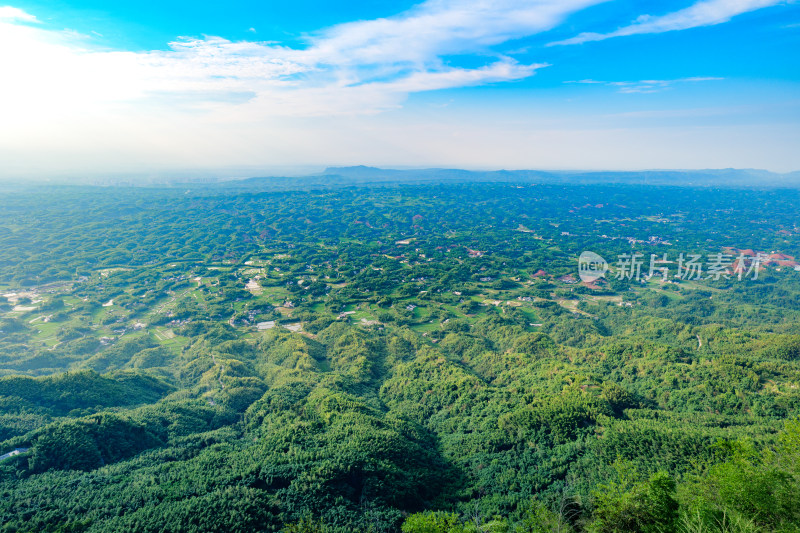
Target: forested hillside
<point x="393" y="357"/>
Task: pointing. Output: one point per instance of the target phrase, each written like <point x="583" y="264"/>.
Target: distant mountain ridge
<point x="728" y="177"/>
<point x="366" y="175"/>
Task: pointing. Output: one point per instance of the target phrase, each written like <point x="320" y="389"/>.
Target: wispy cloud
<point x="644" y="86"/>
<point x="8" y="13"/>
<point x="359" y="67"/>
<point x="704" y="13"/>
<point x="441" y="27"/>
<point x="209" y="100"/>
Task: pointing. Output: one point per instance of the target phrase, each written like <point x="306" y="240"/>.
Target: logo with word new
<point x="591" y="267"/>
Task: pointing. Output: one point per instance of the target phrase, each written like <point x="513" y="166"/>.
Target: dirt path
<point x="221" y="370"/>
<point x="172" y="299"/>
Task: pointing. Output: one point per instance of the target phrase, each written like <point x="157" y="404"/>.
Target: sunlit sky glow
<point x="91" y="88"/>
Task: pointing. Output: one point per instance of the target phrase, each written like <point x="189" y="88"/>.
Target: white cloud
<point x="440" y="27"/>
<point x="704" y="13"/>
<point x="645" y="86"/>
<point x="358" y="67"/>
<point x="210" y="99"/>
<point x="9" y="13"/>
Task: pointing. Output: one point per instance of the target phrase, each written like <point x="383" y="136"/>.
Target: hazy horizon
<point x="155" y="178"/>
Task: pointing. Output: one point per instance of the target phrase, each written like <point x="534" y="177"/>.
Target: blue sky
<point x="246" y="88"/>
